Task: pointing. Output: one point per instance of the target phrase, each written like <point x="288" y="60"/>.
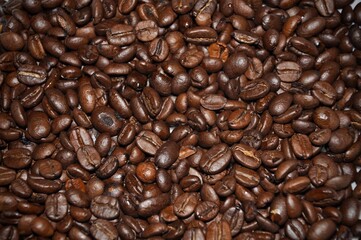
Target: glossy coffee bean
<point x="180" y="119"/>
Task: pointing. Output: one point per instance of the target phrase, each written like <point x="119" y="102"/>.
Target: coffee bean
<point x="295" y="229"/>
<point x="288" y="71"/>
<point x="200" y="35"/>
<point x="149" y="142"/>
<point x="153" y="205"/>
<point x="88" y="157"/>
<point x="236" y="65"/>
<point x="185" y="204"/>
<point x="121" y="35"/>
<point x="180" y="120"/>
<point x="42" y="227"/>
<point x="216" y="159"/>
<point x="103" y="229"/>
<point x="56" y="207"/>
<point x="17" y="158"/>
<point x="31" y="74"/>
<point x="219" y="230"/>
<point x="322" y="229"/>
<point x="105" y="207"/>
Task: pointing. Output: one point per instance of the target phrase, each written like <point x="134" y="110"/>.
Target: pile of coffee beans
<point x="180" y="119"/>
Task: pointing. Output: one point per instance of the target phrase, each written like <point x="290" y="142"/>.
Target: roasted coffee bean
<point x="200" y="35"/>
<point x="153" y="205"/>
<point x="216" y="159"/>
<point x="255" y="90"/>
<point x="21" y="189"/>
<point x="149" y="142"/>
<point x="311" y="27"/>
<point x="219" y="230"/>
<point x="42" y="227"/>
<point x="56" y="207"/>
<point x="322" y="229"/>
<point x="31" y="74"/>
<point x="88" y="157"/>
<point x="146" y="30"/>
<point x="103" y="229"/>
<point x="288" y="71"/>
<point x="236" y="65"/>
<point x="104" y="120"/>
<point x="17" y="158"/>
<point x="121" y="35"/>
<point x="185" y="204"/>
<point x="180" y="119"/>
<point x="295" y="229"/>
<point x="105" y="207"/>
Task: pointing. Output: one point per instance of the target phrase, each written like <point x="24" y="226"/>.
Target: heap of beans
<point x="180" y="119"/>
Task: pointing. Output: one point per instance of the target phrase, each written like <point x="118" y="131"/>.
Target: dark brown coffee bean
<point x="185" y="204"/>
<point x="323" y="229"/>
<point x="255" y="90"/>
<point x="121" y="35"/>
<point x="288" y="71"/>
<point x="318" y="175"/>
<point x="146" y="30"/>
<point x="105" y="207"/>
<point x="246" y="177"/>
<point x="105" y="120"/>
<point x="17" y="158"/>
<point x="325" y="117"/>
<point x="295" y="229"/>
<point x="21" y="189"/>
<point x="219" y="230"/>
<point x="301" y="146"/>
<point x="153" y="205"/>
<point x="148" y="142"/>
<point x="42" y="227"/>
<point x="200" y="35"/>
<point x="296" y="185"/>
<point x="50" y="169"/>
<point x="325" y="8"/>
<point x="236" y="65"/>
<point x="216" y="159"/>
<point x="103" y="229"/>
<point x="88" y="157"/>
<point x="31" y="74"/>
<point x="311" y="27"/>
<point x="7" y="176"/>
<point x="340" y="140"/>
<point x="56" y="207"/>
<point x="12" y="41"/>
